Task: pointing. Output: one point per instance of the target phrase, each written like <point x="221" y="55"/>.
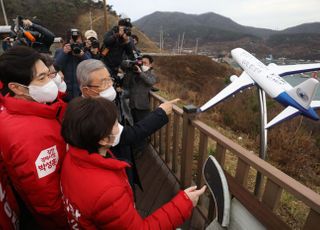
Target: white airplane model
<point x="297" y="100"/>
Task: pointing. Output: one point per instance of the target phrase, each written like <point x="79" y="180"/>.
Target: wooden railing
<point x="184" y="144"/>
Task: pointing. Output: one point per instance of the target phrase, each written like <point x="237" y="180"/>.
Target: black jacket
<point x="45" y="39"/>
<point x="117" y="49"/>
<point x="131" y="135"/>
<point x="68" y="64"/>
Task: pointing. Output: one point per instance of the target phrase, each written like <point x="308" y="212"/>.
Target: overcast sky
<point x="273" y="14"/>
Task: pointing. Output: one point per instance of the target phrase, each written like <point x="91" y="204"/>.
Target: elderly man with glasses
<point x="95" y="81"/>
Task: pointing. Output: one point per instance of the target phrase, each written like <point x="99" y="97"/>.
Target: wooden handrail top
<point x="300" y="191"/>
<point x="308" y="196"/>
<point x="176" y="109"/>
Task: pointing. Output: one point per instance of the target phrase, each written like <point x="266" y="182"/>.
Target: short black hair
<point x="148" y="57"/>
<point x="87" y="121"/>
<point x="17" y="65"/>
<point x="47" y="59"/>
<point x="125" y="22"/>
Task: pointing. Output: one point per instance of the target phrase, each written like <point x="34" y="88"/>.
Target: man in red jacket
<point x="31" y="146"/>
<point x="96" y="191"/>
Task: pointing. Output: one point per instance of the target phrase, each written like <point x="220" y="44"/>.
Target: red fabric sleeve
<point x="115" y="210"/>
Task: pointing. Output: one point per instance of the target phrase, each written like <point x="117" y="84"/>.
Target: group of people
<point x="67" y="159"/>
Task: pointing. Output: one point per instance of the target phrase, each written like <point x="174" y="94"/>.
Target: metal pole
<point x="263" y="137"/>
<point x="196" y="49"/>
<point x="160" y="41"/>
<point x="105" y="15"/>
<point x="4" y="13"/>
<point x="90" y="20"/>
<point x="178" y="46"/>
<point x="182" y="40"/>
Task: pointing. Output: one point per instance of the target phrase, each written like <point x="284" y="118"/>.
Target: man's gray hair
<point x="85" y="68"/>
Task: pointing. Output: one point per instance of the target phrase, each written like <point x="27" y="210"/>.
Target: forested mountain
<point x="217" y="33"/>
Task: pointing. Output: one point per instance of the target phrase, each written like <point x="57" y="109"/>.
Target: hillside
<point x="61" y="15"/>
<point x="304" y="28"/>
<point x="83" y="23"/>
<point x="218" y="34"/>
<point x="196" y="26"/>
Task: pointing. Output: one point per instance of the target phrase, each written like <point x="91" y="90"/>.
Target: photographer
<point x="67" y="60"/>
<point x="116" y="44"/>
<point x="92" y="44"/>
<point x="141" y="79"/>
<point x="7" y="43"/>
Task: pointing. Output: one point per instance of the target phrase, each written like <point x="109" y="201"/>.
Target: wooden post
<point x="189" y="113"/>
<point x="168" y="141"/>
<point x="105" y="15"/>
<point x="203" y="155"/>
<point x="220" y="154"/>
<point x="313" y="220"/>
<point x="272" y="194"/>
<point x="175" y="148"/>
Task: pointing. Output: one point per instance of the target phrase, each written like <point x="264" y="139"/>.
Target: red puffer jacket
<point x="97" y="195"/>
<point x="32" y="150"/>
<point x="9" y="210"/>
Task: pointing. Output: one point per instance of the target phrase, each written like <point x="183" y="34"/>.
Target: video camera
<point x="95" y="43"/>
<point x="21" y="33"/>
<point x="131" y="65"/>
<point x="127" y="30"/>
<point x="75" y="47"/>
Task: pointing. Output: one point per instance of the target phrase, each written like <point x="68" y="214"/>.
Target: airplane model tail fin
<point x="304" y="92"/>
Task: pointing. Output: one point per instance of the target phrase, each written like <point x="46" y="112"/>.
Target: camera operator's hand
<point x="80" y="54"/>
<point x="94" y="50"/>
<point x="88" y="44"/>
<point x="167" y="106"/>
<point x="126" y="38"/>
<point x="6" y="39"/>
<point x="137" y="69"/>
<point x="121" y="31"/>
<point x="67" y="48"/>
<point x="26" y="22"/>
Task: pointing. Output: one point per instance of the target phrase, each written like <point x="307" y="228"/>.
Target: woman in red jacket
<point x="31" y="146"/>
<point x="95" y="187"/>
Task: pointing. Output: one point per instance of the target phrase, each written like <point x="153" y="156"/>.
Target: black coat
<point x="117" y="49"/>
<point x="44" y="41"/>
<point x="68" y="64"/>
<point x="131" y="135"/>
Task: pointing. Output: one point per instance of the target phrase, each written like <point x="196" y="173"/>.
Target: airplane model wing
<point x="236" y="85"/>
<point x="284" y="70"/>
<point x="288" y="113"/>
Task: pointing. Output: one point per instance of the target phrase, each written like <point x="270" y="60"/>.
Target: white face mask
<point x="117" y="138"/>
<point x="45" y="93"/>
<point x="62" y="86"/>
<point x="109" y="93"/>
<point x="145" y="68"/>
<point x="121" y="75"/>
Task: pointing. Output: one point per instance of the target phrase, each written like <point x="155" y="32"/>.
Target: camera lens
<point x="76" y="50"/>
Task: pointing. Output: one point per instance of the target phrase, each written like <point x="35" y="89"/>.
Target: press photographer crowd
<point x="73" y="124"/>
